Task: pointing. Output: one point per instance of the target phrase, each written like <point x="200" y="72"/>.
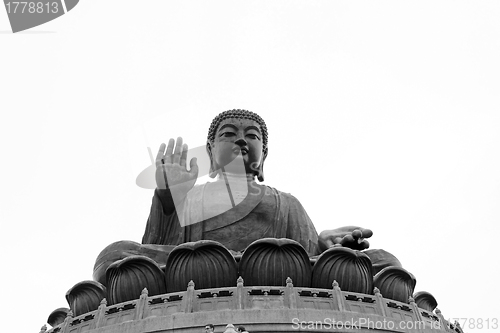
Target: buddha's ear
<point x="213" y="168"/>
<point x="260" y="174"/>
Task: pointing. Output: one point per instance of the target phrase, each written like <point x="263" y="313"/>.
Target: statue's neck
<point x="233" y="177"/>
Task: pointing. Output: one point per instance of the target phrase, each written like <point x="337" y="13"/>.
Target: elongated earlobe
<point x="213" y="167"/>
<point x="260" y="174"/>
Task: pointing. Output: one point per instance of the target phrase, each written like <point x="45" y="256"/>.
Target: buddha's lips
<point x="243" y="150"/>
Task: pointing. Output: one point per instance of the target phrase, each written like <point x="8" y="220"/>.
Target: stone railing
<point x="248" y="298"/>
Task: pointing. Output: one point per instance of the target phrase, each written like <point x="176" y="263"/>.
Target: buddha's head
<point x="236" y="132"/>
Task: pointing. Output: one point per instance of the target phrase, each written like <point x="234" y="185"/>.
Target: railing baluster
<point x="337" y="293"/>
<point x="290" y="296"/>
<point x="380" y="301"/>
<point x="141" y="305"/>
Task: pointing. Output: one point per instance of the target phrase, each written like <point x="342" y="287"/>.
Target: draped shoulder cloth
<point x="266" y="212"/>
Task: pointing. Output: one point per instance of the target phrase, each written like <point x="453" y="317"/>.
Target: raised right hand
<point x="171" y="171"/>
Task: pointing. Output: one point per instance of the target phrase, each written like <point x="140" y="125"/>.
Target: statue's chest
<point x="252" y="210"/>
<point x="216" y="202"/>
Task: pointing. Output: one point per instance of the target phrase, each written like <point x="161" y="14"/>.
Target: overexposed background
<point x="380" y="114"/>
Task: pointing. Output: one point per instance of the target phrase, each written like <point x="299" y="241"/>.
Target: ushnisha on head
<point x="234" y="132"/>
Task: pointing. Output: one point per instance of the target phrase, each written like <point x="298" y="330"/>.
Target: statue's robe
<point x="264" y="212"/>
<point x="207" y="214"/>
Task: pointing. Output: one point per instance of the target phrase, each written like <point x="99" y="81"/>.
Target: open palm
<point x="171" y="170"/>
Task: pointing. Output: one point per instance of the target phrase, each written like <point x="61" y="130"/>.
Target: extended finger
<point x="168" y="154"/>
<point x="364" y="245"/>
<point x="347" y="240"/>
<point x="357" y="234"/>
<point x="367" y="233"/>
<point x="193" y="167"/>
<point x="177" y="152"/>
<point x="361" y="245"/>
<point x="160" y="154"/>
<point x="184" y="154"/>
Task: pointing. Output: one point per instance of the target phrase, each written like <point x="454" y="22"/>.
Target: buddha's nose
<point x="241" y="142"/>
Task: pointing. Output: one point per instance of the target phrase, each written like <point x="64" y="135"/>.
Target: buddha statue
<point x="207" y="210"/>
<point x="233" y="210"/>
<point x="231" y="231"/>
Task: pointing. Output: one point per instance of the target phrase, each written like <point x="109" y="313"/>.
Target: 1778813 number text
<point x="32" y="7"/>
<point x="476" y="323"/>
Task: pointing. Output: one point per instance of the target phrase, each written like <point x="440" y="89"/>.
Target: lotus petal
<point x="57" y="316"/>
<point x="123" y="249"/>
<point x="207" y="263"/>
<point x="395" y="283"/>
<point x="270" y="261"/>
<point x="128" y="277"/>
<point x="352" y="270"/>
<point x="85" y="296"/>
<point x="425" y="300"/>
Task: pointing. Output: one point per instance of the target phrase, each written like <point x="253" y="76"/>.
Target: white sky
<point x="380" y="114"/>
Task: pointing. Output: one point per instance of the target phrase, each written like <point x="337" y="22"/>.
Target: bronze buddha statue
<point x="207" y="210"/>
<point x="234" y="210"/>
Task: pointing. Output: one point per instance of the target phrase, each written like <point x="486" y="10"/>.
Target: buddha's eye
<point x="253" y="136"/>
<point x="227" y="134"/>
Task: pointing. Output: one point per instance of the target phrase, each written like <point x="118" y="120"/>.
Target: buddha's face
<point x="238" y="138"/>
